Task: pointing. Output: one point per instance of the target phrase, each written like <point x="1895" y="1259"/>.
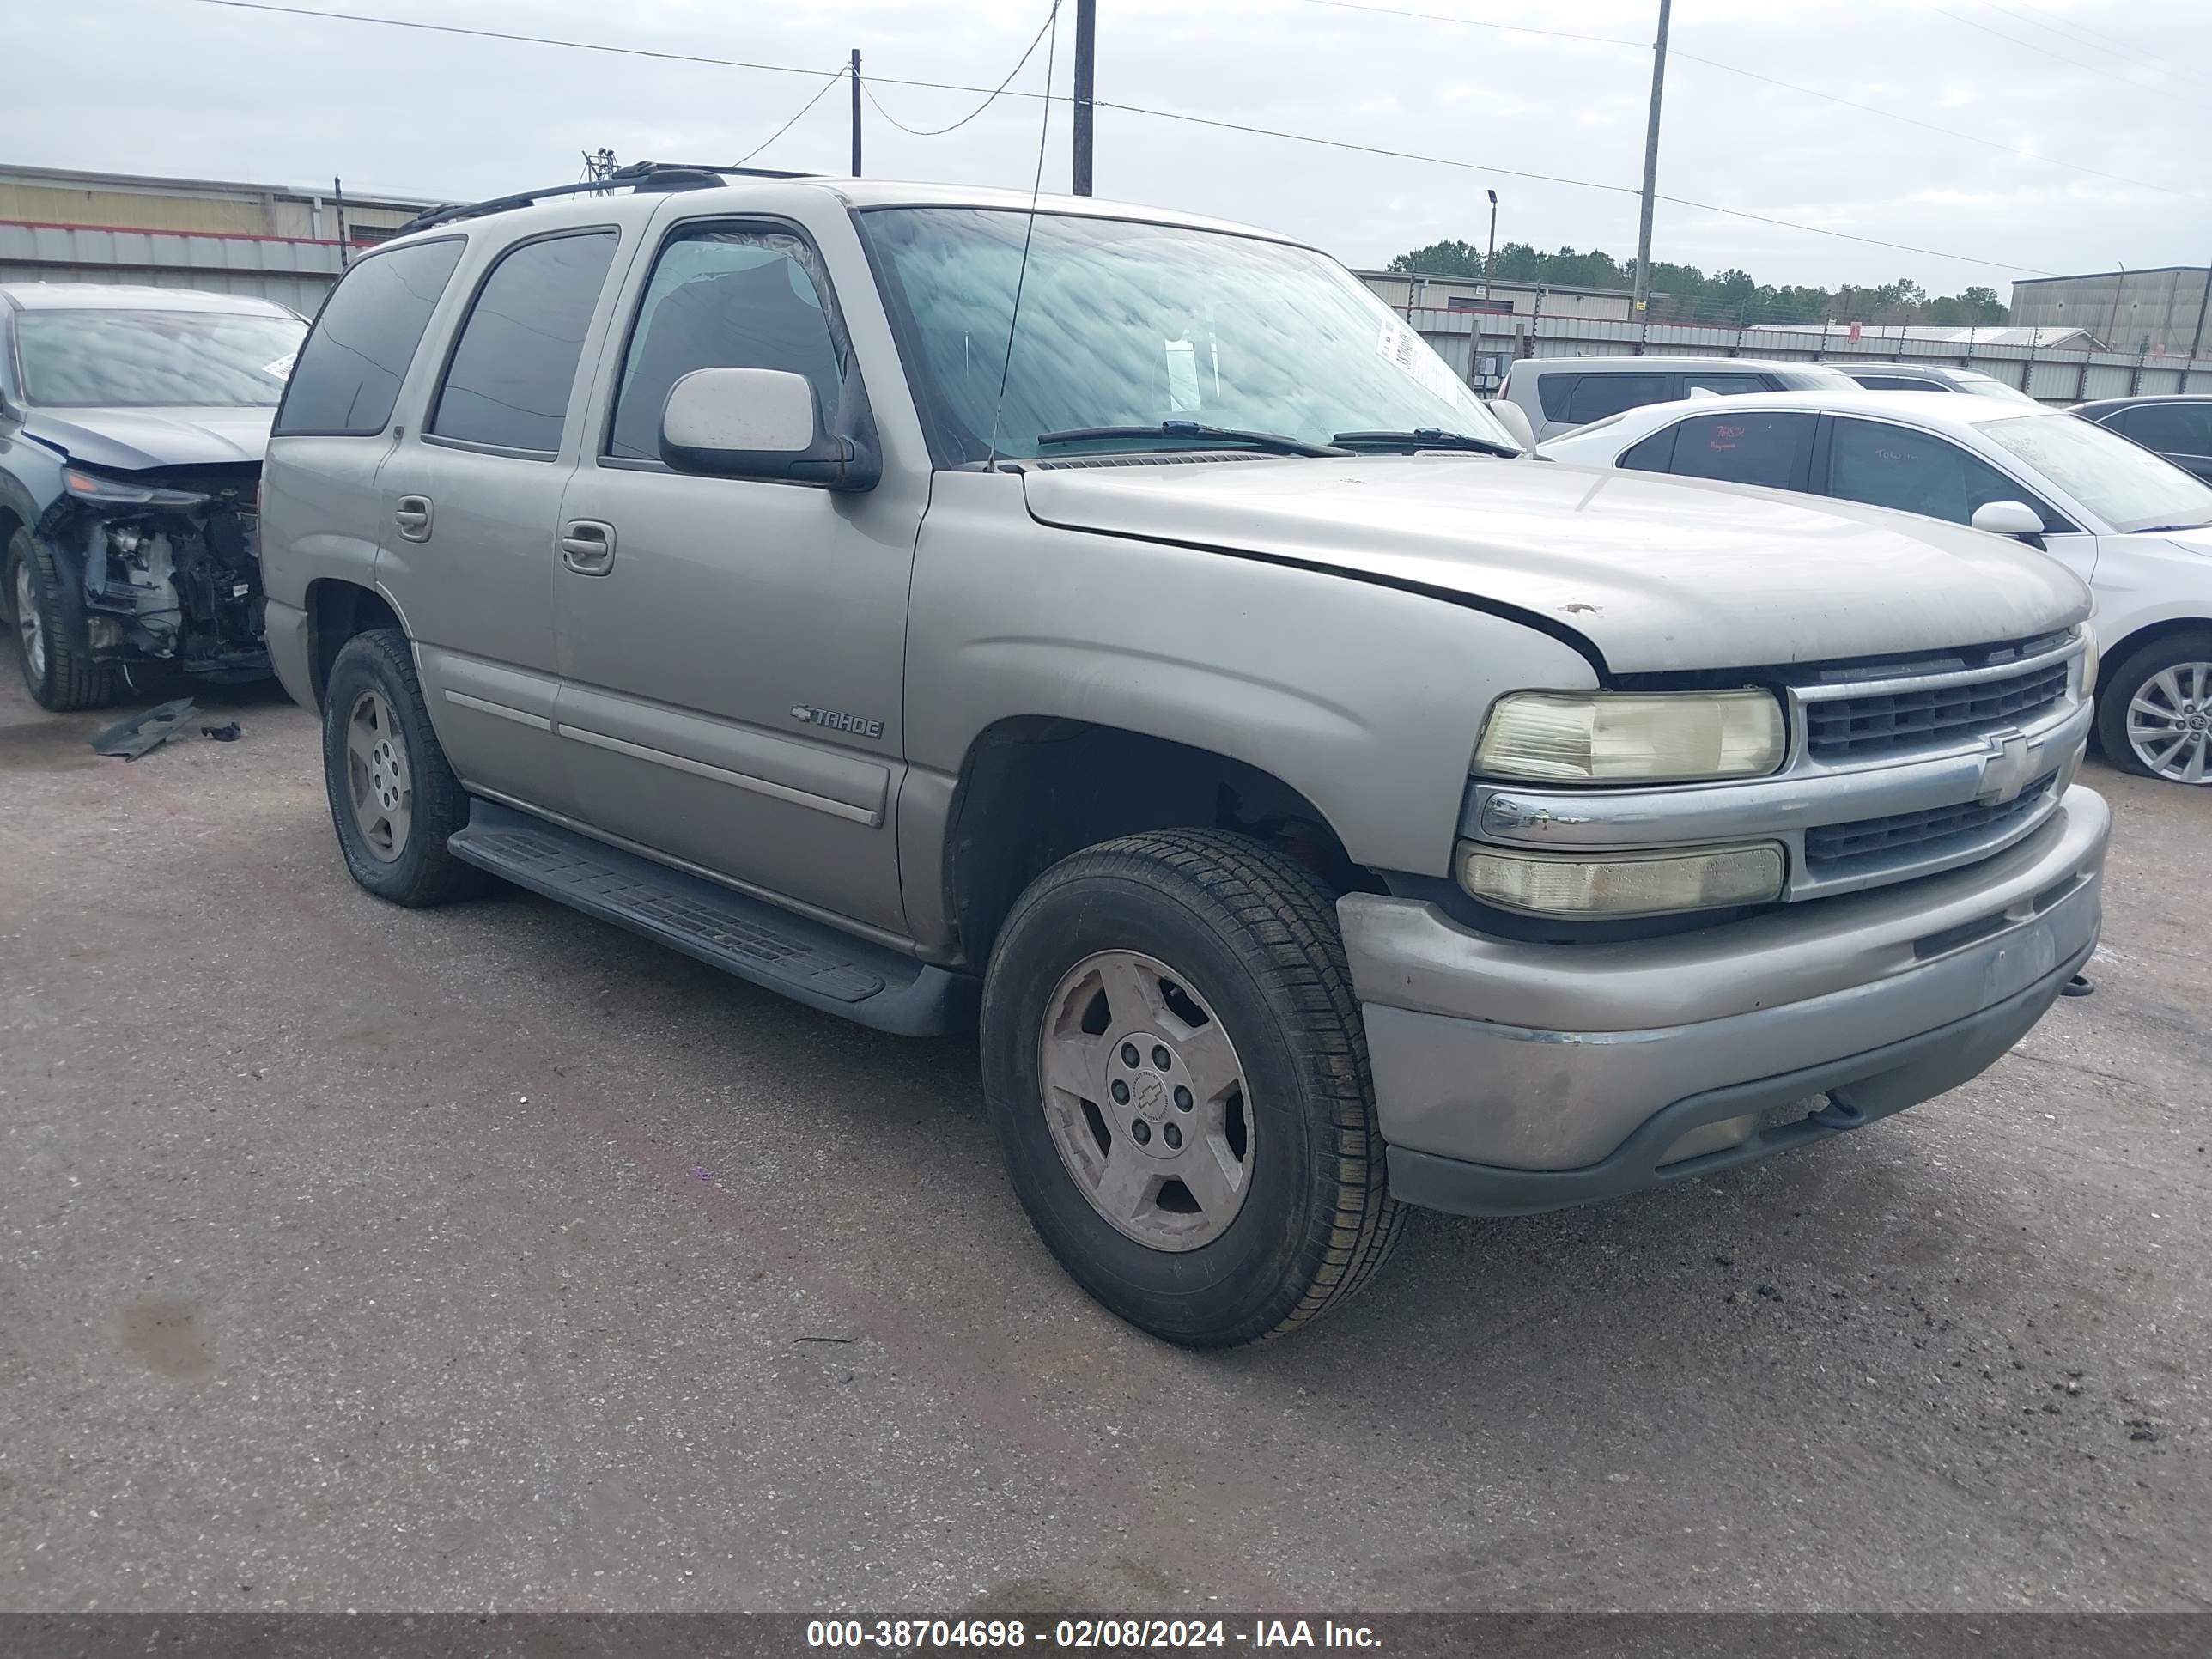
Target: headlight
<point x="1598" y="736"/>
<point x="1632" y="885"/>
<point x="2090" y="657"/>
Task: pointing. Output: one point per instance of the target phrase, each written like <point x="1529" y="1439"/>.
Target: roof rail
<point x="639" y="178"/>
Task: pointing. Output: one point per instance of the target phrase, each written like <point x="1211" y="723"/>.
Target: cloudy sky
<point x="2077" y="128"/>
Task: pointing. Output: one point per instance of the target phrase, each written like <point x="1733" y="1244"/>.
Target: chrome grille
<point x="1926" y="833"/>
<point x="1847" y="729"/>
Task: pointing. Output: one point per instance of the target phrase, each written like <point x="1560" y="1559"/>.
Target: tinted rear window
<point x="348" y="372"/>
<point x="508" y="386"/>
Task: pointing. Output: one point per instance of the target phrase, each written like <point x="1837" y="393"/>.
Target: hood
<point x="132" y="440"/>
<point x="1656" y="573"/>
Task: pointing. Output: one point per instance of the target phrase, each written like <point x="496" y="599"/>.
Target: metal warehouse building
<point x="2161" y="311"/>
<point x="59" y="226"/>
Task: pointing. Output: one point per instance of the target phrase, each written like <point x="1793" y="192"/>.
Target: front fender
<point x="1366" y="698"/>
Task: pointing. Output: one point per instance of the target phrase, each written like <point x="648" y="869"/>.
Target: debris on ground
<point x="227" y="732"/>
<point x="143" y="734"/>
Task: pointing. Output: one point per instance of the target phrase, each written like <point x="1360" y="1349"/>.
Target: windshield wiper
<point x="1275" y="443"/>
<point x="1426" y="437"/>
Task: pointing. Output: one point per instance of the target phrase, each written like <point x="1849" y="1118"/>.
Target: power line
<point x="2072" y="33"/>
<point x="1131" y="109"/>
<point x="821" y="92"/>
<point x="1750" y="75"/>
<point x="2030" y="45"/>
<point x="938" y="132"/>
<point x="1479" y="23"/>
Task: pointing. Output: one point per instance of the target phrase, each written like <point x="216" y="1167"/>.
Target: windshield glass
<point x="154" y="359"/>
<point x="1135" y="324"/>
<point x="2120" y="482"/>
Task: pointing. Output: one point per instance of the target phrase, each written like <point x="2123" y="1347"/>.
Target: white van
<point x="1559" y="394"/>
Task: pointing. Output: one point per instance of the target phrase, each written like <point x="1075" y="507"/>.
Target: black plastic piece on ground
<point x="805" y="959"/>
<point x="1860" y="1089"/>
<point x="227" y="732"/>
<point x="142" y="734"/>
<point x="2078" y="986"/>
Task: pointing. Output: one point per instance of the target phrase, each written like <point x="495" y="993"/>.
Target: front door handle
<point x="587" y="546"/>
<point x="413" y="514"/>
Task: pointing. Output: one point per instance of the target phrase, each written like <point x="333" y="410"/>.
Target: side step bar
<point x="805" y="960"/>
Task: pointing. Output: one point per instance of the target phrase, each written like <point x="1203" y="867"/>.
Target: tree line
<point x="1686" y="294"/>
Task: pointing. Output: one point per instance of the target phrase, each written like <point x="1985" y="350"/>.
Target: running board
<point x="807" y="961"/>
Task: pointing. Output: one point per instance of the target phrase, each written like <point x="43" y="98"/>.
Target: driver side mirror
<point x="1515" y="419"/>
<point x="759" y="423"/>
<point x="2009" y="519"/>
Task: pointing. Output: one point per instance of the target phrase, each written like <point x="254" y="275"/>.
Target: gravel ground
<point x="490" y="1259"/>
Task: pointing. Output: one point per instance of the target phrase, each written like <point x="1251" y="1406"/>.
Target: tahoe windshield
<point x="2116" y="478"/>
<point x="1140" y="326"/>
<point x="154" y="359"/>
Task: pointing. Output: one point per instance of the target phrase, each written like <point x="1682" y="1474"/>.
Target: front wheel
<point x="57" y="666"/>
<point x="1174" y="1064"/>
<point x="2154" y="710"/>
<point x="394" y="798"/>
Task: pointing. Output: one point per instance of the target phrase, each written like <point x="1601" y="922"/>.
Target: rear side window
<point x="1754" y="446"/>
<point x="722" y="297"/>
<point x="1654" y="453"/>
<point x="350" y="370"/>
<point x="1554" y="391"/>
<point x="1596" y="396"/>
<point x="508" y="383"/>
<point x="2175" y="429"/>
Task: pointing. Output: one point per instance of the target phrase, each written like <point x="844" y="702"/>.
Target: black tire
<point x="418" y="870"/>
<point x="2119" y="684"/>
<point x="1255" y="933"/>
<point x="70" y="680"/>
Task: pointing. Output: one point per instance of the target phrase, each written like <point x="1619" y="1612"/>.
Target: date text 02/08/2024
<point x="1086" y="1634"/>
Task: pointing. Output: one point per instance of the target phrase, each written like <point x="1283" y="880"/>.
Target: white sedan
<point x="2136" y="528"/>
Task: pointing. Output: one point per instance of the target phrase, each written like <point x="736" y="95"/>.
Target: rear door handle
<point x="413" y="514"/>
<point x="587" y="546"/>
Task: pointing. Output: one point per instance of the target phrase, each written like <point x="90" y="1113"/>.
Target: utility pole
<point x="2112" y="324"/>
<point x="856" y="112"/>
<point x="1651" y="164"/>
<point x="345" y="247"/>
<point x="1086" y="43"/>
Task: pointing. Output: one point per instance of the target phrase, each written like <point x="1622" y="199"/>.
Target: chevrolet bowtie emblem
<point x="2007" y="771"/>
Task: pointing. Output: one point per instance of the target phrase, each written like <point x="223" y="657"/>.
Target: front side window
<point x="154" y="359"/>
<point x="1755" y="447"/>
<point x="350" y="370"/>
<point x="1129" y="324"/>
<point x="725" y="298"/>
<point x="2171" y="429"/>
<point x="2121" y="482"/>
<point x="508" y="385"/>
<point x="1894" y="466"/>
<point x="1597" y="395"/>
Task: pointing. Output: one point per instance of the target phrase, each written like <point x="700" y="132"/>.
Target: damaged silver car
<point x="132" y="424"/>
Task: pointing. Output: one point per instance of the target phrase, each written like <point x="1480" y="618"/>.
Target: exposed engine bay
<point x="168" y="564"/>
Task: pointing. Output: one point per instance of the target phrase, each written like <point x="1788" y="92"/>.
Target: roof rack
<point x="638" y="177"/>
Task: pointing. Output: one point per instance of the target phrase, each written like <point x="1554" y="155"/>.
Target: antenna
<point x="1028" y="231"/>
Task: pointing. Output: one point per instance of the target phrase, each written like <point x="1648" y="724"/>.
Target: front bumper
<point x="1512" y="1078"/>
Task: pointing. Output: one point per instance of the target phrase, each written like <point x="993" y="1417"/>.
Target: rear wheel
<point x="394" y="798"/>
<point x="2154" y="710"/>
<point x="50" y="633"/>
<point x="1174" y="1064"/>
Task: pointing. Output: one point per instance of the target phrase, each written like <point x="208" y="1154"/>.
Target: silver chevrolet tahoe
<point x="1118" y="631"/>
